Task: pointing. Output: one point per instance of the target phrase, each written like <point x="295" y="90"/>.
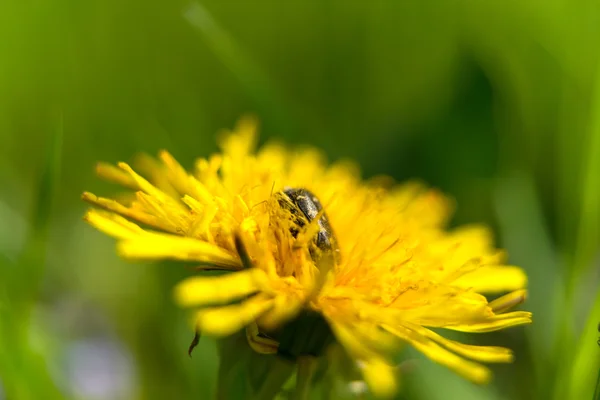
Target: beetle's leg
<point x="260" y="344"/>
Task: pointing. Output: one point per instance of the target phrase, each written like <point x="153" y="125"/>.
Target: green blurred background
<point x="496" y="103"/>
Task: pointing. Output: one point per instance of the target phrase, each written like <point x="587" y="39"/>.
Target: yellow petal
<point x="438" y="306"/>
<point x="470" y="370"/>
<point x="184" y="182"/>
<point x="223" y="321"/>
<point x="113" y="174"/>
<point x="380" y="377"/>
<point x="170" y="215"/>
<point x="284" y="309"/>
<point x="364" y="341"/>
<point x="489" y="354"/>
<point x="508" y="301"/>
<point x="113" y="225"/>
<point x="178" y="174"/>
<point x="164" y="246"/>
<point x="243" y="141"/>
<point x="156" y="172"/>
<point x="206" y="170"/>
<point x="149" y="188"/>
<point x="494" y="323"/>
<point x="493" y="279"/>
<point x="201" y="291"/>
<point x="115" y="206"/>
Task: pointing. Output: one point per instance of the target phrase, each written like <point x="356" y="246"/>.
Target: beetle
<point x="304" y="207"/>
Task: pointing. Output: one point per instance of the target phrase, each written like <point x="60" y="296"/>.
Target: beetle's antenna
<point x="258" y="204"/>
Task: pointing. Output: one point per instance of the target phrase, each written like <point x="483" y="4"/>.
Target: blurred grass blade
<point x="588" y="233"/>
<point x="234" y="354"/>
<point x="525" y="236"/>
<point x="273" y="371"/>
<point x="586" y="360"/>
<point x="23" y="369"/>
<point x="49" y="179"/>
<point x="33" y="257"/>
<point x="226" y="49"/>
<point x="597" y="390"/>
<point x="304" y="377"/>
<point x="254" y="81"/>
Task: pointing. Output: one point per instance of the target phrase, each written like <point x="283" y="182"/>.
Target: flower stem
<point x="306" y="368"/>
<point x="597" y="390"/>
<point x="278" y="374"/>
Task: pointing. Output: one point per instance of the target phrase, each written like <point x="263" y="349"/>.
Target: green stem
<point x="306" y="369"/>
<point x="597" y="391"/>
<point x="278" y="374"/>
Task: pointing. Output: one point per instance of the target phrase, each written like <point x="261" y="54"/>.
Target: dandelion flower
<point x="370" y="265"/>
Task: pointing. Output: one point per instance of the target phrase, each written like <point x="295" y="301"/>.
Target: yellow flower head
<point x="316" y="253"/>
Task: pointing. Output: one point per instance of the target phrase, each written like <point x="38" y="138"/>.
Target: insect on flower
<point x="308" y="334"/>
<point x="305" y="208"/>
